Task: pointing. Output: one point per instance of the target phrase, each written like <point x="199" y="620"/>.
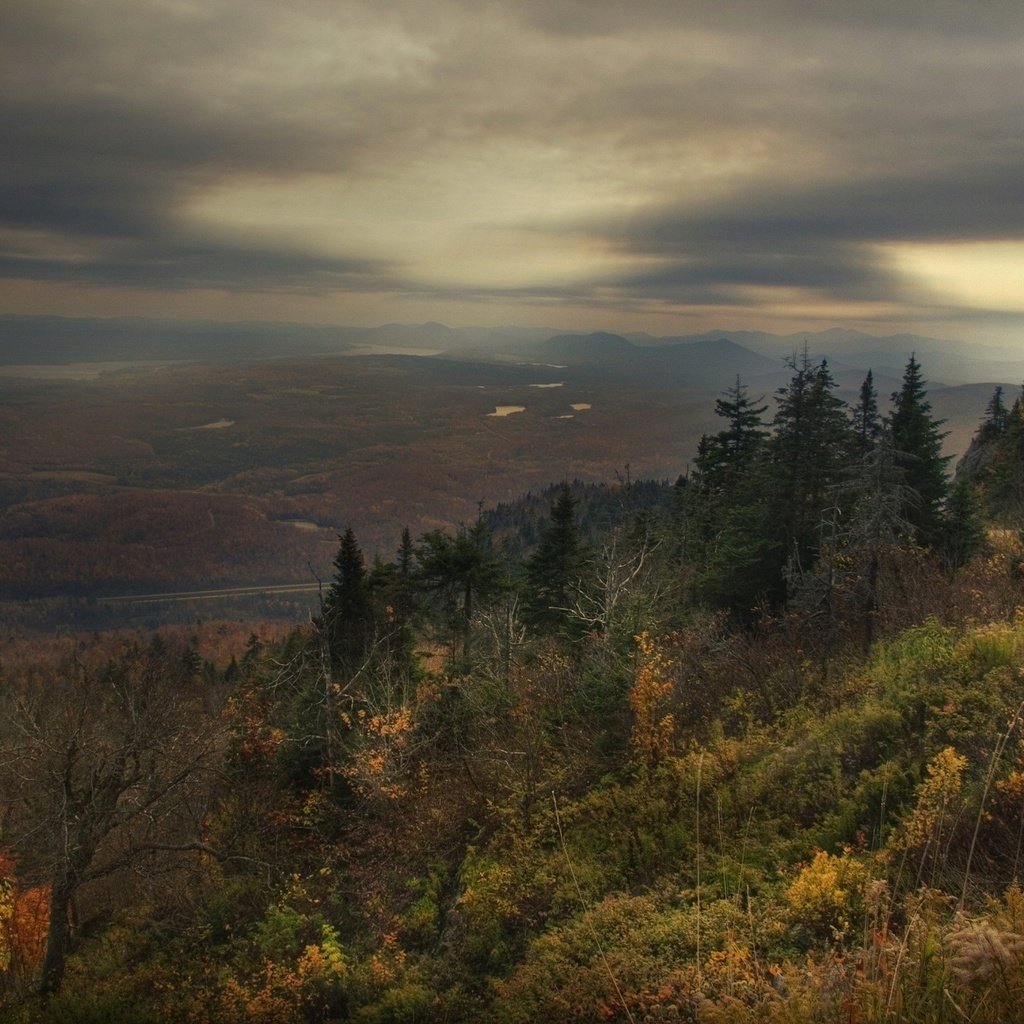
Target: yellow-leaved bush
<point x="653" y="724"/>
<point x="936" y="798"/>
<point x="827" y="896"/>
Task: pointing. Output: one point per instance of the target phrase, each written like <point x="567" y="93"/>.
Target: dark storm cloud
<point x="721" y="275"/>
<point x="829" y="238"/>
<point x="976" y="203"/>
<point x="123" y="165"/>
<point x="721" y="147"/>
<point x="108" y="135"/>
<point x="190" y="265"/>
<point x="586" y="17"/>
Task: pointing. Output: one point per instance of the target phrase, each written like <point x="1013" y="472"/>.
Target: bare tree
<point x="621" y="588"/>
<point x="105" y="769"/>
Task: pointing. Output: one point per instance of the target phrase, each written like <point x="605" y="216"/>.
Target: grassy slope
<point x="855" y="859"/>
<point x="834" y="850"/>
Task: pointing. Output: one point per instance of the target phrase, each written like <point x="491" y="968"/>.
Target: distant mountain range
<point x="711" y="358"/>
<point x="714" y="363"/>
<point x="943" y="360"/>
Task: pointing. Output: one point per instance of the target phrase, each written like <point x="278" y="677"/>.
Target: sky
<point x="584" y="164"/>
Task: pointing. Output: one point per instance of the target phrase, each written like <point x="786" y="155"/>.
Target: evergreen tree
<point x="406" y="554"/>
<point x="714" y="508"/>
<point x="405" y="589"/>
<point x="918" y="442"/>
<point x="1009" y="481"/>
<point x="723" y="459"/>
<point x="554" y="567"/>
<point x="697" y="504"/>
<point x="774" y="516"/>
<point x="996" y="417"/>
<point x="394" y="593"/>
<point x="994" y="462"/>
<point x="703" y="464"/>
<point x="875" y="526"/>
<point x="831" y="443"/>
<point x="867" y="423"/>
<point x="744" y="564"/>
<point x="347" y="617"/>
<point x="393" y="587"/>
<point x="807" y="457"/>
<point x="964" y="533"/>
<point x="787" y="464"/>
<point x="460" y="571"/>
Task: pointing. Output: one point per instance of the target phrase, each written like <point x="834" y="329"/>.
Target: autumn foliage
<point x="664" y="803"/>
<point x="24" y="919"/>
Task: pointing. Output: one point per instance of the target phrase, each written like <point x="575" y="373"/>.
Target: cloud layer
<point x="773" y="159"/>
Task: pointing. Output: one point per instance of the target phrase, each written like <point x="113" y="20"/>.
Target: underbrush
<point x="855" y="859"/>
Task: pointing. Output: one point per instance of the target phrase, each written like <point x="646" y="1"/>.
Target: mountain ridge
<point x="54" y="339"/>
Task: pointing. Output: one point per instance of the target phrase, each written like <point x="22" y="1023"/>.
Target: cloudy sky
<point x="669" y="165"/>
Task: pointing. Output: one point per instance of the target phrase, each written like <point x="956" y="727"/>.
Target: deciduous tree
<point x="106" y="767"/>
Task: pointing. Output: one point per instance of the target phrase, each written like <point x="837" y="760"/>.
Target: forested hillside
<point x="742" y="746"/>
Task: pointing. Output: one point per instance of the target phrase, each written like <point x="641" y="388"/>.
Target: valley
<point x="122" y="477"/>
<point x="217" y="475"/>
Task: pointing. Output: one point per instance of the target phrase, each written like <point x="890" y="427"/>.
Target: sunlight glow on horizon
<point x="978" y="275"/>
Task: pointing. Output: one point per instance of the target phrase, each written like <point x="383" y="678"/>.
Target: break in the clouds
<point x="570" y="162"/>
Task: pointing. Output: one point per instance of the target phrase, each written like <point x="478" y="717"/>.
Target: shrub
<point x="827" y="897"/>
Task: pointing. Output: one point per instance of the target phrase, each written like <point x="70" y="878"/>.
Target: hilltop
<point x="742" y="747"/>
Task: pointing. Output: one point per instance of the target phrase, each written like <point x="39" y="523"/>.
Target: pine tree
<point x="964" y="533"/>
<point x="996" y="417"/>
<point x="918" y="442"/>
<point x="554" y="567"/>
<point x="994" y="462"/>
<point x="875" y="526"/>
<point x="723" y="459"/>
<point x="807" y="456"/>
<point x="347" y="616"/>
<point x="867" y="423"/>
<point x="460" y="571"/>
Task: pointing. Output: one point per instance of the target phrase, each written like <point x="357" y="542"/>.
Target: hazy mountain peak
<point x="596" y="346"/>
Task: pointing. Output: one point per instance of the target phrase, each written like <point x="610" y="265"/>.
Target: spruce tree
<point x="918" y="442"/>
<point x="460" y="571"/>
<point x="807" y="457"/>
<point x="773" y="517"/>
<point x="405" y="582"/>
<point x="867" y="423"/>
<point x="554" y="567"/>
<point x="347" y="616"/>
<point x="964" y="532"/>
<point x="994" y="462"/>
<point x="713" y="508"/>
<point x="406" y="554"/>
<point x="392" y="589"/>
<point x="996" y="417"/>
<point x="744" y="562"/>
<point x="1008" y="480"/>
<point x="875" y="527"/>
<point x="723" y="459"/>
